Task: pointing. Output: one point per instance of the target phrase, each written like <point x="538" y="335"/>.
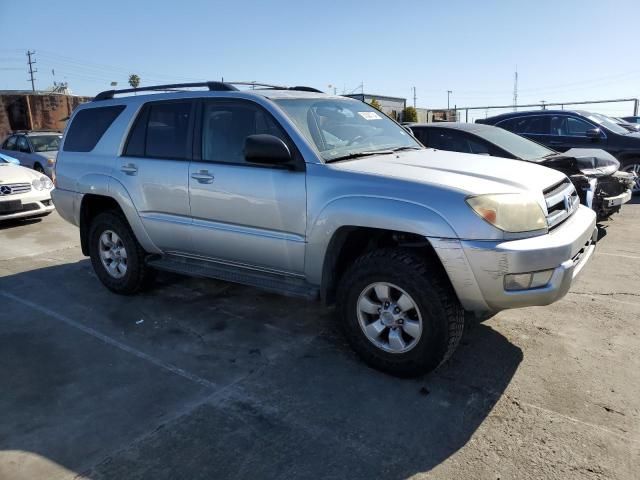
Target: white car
<point x="23" y="192"/>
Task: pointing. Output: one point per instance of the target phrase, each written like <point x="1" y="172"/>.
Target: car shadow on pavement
<point x="6" y="224"/>
<point x="294" y="402"/>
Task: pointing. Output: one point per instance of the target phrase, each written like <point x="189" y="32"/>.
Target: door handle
<point x="129" y="169"/>
<point x="203" y="176"/>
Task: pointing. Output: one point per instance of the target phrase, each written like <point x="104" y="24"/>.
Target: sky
<point x="564" y="50"/>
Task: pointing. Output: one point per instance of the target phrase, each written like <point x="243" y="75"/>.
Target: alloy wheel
<point x="113" y="254"/>
<point x="389" y="317"/>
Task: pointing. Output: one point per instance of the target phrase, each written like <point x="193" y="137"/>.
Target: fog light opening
<point x="527" y="281"/>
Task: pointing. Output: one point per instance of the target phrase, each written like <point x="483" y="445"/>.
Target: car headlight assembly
<point x="510" y="212"/>
<point x="42" y="183"/>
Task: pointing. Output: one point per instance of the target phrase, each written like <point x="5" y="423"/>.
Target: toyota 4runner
<point x="302" y="193"/>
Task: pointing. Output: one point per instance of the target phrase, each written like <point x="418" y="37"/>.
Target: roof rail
<point x="212" y="86"/>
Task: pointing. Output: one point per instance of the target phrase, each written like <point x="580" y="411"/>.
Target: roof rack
<point x="212" y="86"/>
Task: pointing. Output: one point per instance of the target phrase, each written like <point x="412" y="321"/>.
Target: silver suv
<point x="308" y="194"/>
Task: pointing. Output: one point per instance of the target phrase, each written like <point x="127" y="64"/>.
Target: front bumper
<point x="33" y="204"/>
<point x="477" y="268"/>
<point x="609" y="202"/>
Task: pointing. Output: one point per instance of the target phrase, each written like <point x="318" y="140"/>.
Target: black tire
<point x="38" y="168"/>
<point x="441" y="312"/>
<point x="138" y="275"/>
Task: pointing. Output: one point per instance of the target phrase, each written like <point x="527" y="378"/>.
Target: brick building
<point x="27" y="110"/>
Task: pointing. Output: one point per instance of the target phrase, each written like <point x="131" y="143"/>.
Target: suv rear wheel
<point x="116" y="255"/>
<point x="399" y="313"/>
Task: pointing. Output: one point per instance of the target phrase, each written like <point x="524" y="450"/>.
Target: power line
<point x="31" y="70"/>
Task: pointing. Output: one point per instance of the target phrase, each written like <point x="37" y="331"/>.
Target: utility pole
<point x="543" y="102"/>
<point x="515" y="90"/>
<point x="449" y="92"/>
<point x="31" y="70"/>
<point x="414" y="97"/>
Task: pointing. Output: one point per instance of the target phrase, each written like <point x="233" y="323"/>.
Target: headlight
<point x="510" y="212"/>
<point x="51" y="162"/>
<point x="42" y="183"/>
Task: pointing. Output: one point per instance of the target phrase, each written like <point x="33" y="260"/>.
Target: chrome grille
<point x="562" y="201"/>
<point x="14" y="188"/>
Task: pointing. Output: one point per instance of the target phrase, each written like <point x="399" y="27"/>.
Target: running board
<point x="273" y="282"/>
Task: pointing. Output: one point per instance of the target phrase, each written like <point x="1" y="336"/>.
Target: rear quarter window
<point x="88" y="126"/>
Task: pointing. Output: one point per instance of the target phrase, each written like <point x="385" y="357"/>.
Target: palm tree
<point x="134" y="80"/>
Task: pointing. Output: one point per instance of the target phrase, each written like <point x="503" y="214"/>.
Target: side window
<point x="10" y="143"/>
<point x="537" y="125"/>
<point x="515" y="125"/>
<point x="509" y="124"/>
<point x="23" y="145"/>
<point x="449" y="140"/>
<point x="478" y="147"/>
<point x="225" y="126"/>
<point x="577" y="127"/>
<point x="162" y="130"/>
<point x="422" y="134"/>
<point x="88" y="126"/>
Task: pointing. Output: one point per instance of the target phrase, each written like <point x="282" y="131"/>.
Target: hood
<point x="10" y="173"/>
<point x="468" y="173"/>
<point x="592" y="162"/>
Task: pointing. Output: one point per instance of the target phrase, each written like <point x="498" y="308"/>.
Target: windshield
<point x="345" y="127"/>
<point x="608" y="123"/>
<point x="45" y="143"/>
<point x="519" y="146"/>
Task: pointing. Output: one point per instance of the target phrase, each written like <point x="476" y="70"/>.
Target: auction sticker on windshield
<point x="370" y="115"/>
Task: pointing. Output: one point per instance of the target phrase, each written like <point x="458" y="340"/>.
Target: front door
<point x="245" y="214"/>
<point x="571" y="132"/>
<point x="154" y="169"/>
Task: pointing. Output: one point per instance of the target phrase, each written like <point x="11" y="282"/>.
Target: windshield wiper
<point x="349" y="156"/>
<point x="406" y="148"/>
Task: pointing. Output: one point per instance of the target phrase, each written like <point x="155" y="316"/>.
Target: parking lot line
<point x="110" y="341"/>
<point x="619" y="255"/>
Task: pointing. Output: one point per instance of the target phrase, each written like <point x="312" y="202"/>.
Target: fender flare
<point x="106" y="186"/>
<point x="368" y="212"/>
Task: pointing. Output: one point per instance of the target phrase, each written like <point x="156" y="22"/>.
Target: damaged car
<point x="594" y="172"/>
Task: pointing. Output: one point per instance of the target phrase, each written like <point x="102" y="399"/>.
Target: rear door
<point x="154" y="169"/>
<point x="245" y="214"/>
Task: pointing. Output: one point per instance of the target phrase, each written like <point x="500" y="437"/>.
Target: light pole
<point x="449" y="92"/>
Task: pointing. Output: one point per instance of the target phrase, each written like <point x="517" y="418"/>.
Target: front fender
<point x="369" y="212"/>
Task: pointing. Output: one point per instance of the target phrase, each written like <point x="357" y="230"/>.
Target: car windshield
<point x="45" y="143"/>
<point x="342" y="128"/>
<point x="607" y="122"/>
<point x="514" y="144"/>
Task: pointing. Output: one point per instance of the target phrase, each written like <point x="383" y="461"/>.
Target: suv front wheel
<point x="116" y="256"/>
<point x="399" y="312"/>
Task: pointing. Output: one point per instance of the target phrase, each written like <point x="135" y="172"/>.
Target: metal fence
<point x="614" y="108"/>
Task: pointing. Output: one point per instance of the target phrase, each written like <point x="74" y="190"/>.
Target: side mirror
<point x="266" y="149"/>
<point x="593" y="133"/>
<point x="409" y="131"/>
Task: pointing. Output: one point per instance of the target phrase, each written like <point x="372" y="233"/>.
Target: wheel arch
<point x="115" y="197"/>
